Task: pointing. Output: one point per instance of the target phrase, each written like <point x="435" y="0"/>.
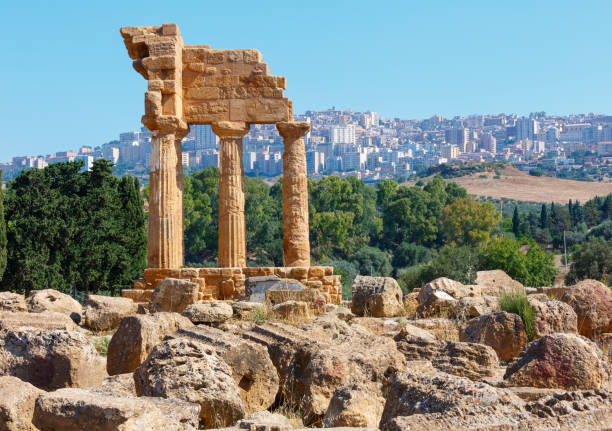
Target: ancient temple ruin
<point x="229" y="90"/>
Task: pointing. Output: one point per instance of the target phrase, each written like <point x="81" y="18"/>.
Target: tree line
<point x="68" y="228"/>
<point x="65" y="227"/>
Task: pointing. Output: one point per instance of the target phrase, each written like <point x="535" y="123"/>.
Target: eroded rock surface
<point x="592" y="302"/>
<point x="105" y="312"/>
<point x="173" y="295"/>
<point x="17" y="400"/>
<point x="504" y="332"/>
<point x="137" y="335"/>
<point x="10" y="301"/>
<point x="377" y="297"/>
<point x="44" y="320"/>
<point x="52" y="300"/>
<point x="211" y="313"/>
<point x="553" y="316"/>
<point x="353" y="406"/>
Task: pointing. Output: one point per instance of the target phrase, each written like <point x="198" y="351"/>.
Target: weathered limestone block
<point x="353" y="406"/>
<point x="173" y="295"/>
<point x="232" y="230"/>
<point x="80" y="409"/>
<point x="185" y="369"/>
<point x="470" y="360"/>
<point x="105" y="312"/>
<point x="50" y="359"/>
<point x="442" y="329"/>
<point x="10" y="301"/>
<point x="552" y="316"/>
<point x="17" y="400"/>
<point x="439" y="297"/>
<point x="567" y="361"/>
<point x="497" y="282"/>
<point x="292" y="312"/>
<point x="211" y="313"/>
<point x="437" y="401"/>
<point x="52" y="300"/>
<point x="120" y="385"/>
<point x="250" y="364"/>
<point x="377" y="297"/>
<point x="45" y="320"/>
<point x="504" y="332"/>
<point x="313" y="297"/>
<point x="137" y="335"/>
<point x="264" y="421"/>
<point x="296" y="241"/>
<point x="592" y="302"/>
<point x="469" y="307"/>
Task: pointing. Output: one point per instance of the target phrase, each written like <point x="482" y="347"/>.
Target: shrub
<point x="101" y="345"/>
<point x="518" y="303"/>
<point x="259" y="315"/>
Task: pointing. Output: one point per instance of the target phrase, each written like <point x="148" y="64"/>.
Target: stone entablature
<point x="229" y="283"/>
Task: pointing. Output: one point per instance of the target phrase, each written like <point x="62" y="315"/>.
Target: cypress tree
<point x="2" y="232"/>
<point x="516" y="222"/>
<point x="543" y="217"/>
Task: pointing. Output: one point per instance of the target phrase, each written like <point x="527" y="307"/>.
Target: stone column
<point x="296" y="241"/>
<point x="166" y="200"/>
<point x="232" y="231"/>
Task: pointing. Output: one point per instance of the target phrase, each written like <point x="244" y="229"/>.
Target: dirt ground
<point x="517" y="185"/>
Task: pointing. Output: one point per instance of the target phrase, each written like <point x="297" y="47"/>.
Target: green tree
<point x="544" y="222"/>
<point x="534" y="268"/>
<point x="592" y="260"/>
<point x="2" y="232"/>
<point x="516" y="222"/>
<point x="466" y="222"/>
<point x="410" y="254"/>
<point x="372" y="261"/>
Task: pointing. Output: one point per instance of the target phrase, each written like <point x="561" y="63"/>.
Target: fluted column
<point x="296" y="241"/>
<point x="166" y="200"/>
<point x="232" y="231"/>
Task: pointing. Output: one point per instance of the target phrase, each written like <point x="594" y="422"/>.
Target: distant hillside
<point x="516" y="185"/>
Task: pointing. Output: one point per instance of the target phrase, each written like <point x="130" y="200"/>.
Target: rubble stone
<point x="137" y="335"/>
<point x="353" y="406"/>
<point x="17" y="400"/>
<point x="10" y="301"/>
<point x="45" y="320"/>
<point x="105" y="312"/>
<point x="592" y="302"/>
<point x="209" y="312"/>
<point x="173" y="295"/>
<point x="377" y="297"/>
<point x="52" y="300"/>
<point x="504" y="332"/>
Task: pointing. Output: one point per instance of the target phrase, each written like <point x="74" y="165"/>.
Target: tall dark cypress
<point x="2" y="232"/>
<point x="543" y="217"/>
<point x="516" y="222"/>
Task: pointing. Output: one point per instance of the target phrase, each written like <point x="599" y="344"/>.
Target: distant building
<point x="204" y="138"/>
<point x="458" y="137"/>
<point x="315" y="162"/>
<point x="604" y="148"/>
<point x="342" y="134"/>
<point x="449" y="151"/>
<point x="489" y="143"/>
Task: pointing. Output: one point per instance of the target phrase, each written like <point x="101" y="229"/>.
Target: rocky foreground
<point x="443" y="358"/>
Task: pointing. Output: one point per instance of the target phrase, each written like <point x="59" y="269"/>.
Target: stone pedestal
<point x="166" y="201"/>
<point x="232" y="231"/>
<point x="296" y="241"/>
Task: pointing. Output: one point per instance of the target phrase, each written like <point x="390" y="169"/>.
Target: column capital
<point x="293" y="129"/>
<point x="166" y="124"/>
<point x="230" y="129"/>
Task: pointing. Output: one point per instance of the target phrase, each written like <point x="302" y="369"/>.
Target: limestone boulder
<point x="497" y="283"/>
<point x="292" y="312"/>
<point x="504" y="332"/>
<point x="377" y="297"/>
<point x="435" y="401"/>
<point x="45" y="320"/>
<point x="250" y="364"/>
<point x="567" y="361"/>
<point x="441" y="328"/>
<point x="120" y="385"/>
<point x="17" y="400"/>
<point x="315" y="360"/>
<point x="137" y="335"/>
<point x="105" y="312"/>
<point x="210" y="313"/>
<point x="470" y="360"/>
<point x="411" y="303"/>
<point x="592" y="302"/>
<point x="80" y="409"/>
<point x="50" y="359"/>
<point x="475" y="306"/>
<point x="244" y="310"/>
<point x="52" y="300"/>
<point x="173" y="295"/>
<point x="353" y="406"/>
<point x="10" y="301"/>
<point x="552" y="316"/>
<point x="439" y="297"/>
<point x="187" y="370"/>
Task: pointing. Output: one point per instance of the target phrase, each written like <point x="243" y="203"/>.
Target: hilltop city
<point x="363" y="144"/>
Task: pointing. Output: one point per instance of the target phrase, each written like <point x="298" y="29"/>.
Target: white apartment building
<point x="342" y="134"/>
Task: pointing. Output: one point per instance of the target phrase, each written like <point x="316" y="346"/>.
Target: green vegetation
<point x="518" y="303"/>
<point x="592" y="260"/>
<point x="67" y="227"/>
<point x="460" y="169"/>
<point x="101" y="344"/>
<point x="2" y="232"/>
<point x="259" y="315"/>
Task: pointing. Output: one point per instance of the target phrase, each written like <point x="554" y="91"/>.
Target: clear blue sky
<point x="67" y="79"/>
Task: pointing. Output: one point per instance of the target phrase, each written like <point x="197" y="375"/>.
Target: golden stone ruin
<point x="229" y="90"/>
